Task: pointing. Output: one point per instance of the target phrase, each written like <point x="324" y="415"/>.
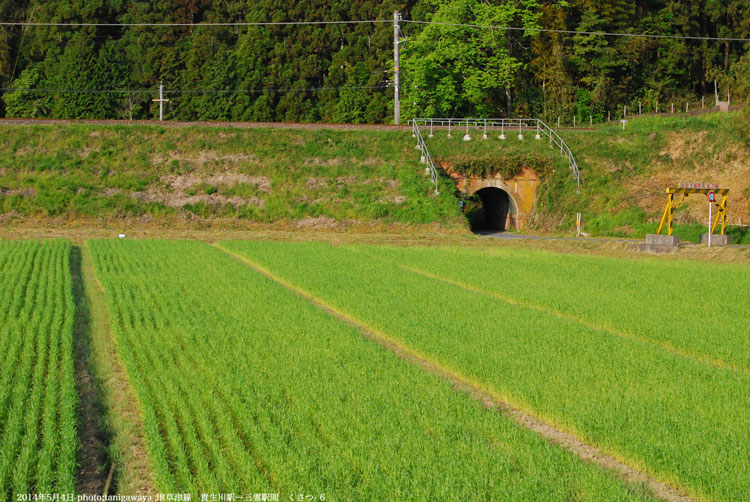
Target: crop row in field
<point x="38" y="439"/>
<point x="700" y="311"/>
<point x="245" y="386"/>
<point x="677" y="417"/>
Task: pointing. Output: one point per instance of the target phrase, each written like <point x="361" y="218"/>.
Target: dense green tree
<point x="456" y="69"/>
<point x="342" y="73"/>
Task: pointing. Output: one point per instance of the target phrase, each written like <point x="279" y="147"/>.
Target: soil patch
<point x="203" y="158"/>
<point x="26" y="192"/>
<point x="393" y="199"/>
<point x="177" y="190"/>
<point x="320" y="222"/>
<point x="316" y="183"/>
<point x="187" y="181"/>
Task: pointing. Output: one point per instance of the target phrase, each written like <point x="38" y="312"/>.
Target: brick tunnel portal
<point x="496" y="209"/>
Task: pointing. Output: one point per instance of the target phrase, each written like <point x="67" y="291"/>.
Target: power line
<point x="188" y="91"/>
<point x="577" y="32"/>
<point x="376" y="21"/>
<point x="195" y="25"/>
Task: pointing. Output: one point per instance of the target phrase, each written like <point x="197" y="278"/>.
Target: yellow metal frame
<point x="672" y="206"/>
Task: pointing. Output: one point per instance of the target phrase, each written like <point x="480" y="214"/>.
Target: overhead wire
<point x="379" y="21"/>
<point x="194" y="25"/>
<point x="579" y="32"/>
<point x="188" y="91"/>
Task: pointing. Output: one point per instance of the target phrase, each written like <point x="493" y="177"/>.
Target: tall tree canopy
<point x="454" y="70"/>
<point x="342" y="73"/>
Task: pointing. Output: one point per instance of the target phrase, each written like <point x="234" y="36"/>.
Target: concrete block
<point x="717" y="240"/>
<point x="662" y="240"/>
<point x="656" y="248"/>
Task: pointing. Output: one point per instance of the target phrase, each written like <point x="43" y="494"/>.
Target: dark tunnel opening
<point x="490" y="209"/>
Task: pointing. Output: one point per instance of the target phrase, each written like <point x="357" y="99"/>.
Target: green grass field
<point x="37" y="392"/>
<point x="362" y="372"/>
<point x="247" y="387"/>
<point x="669" y="397"/>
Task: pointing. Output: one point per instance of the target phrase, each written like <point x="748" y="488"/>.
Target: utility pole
<point x="396" y="76"/>
<point x="161" y="101"/>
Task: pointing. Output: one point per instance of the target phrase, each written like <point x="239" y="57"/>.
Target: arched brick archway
<point x="521" y="192"/>
<point x="498" y="209"/>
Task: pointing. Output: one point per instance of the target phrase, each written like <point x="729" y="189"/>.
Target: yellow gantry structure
<point x="686" y="189"/>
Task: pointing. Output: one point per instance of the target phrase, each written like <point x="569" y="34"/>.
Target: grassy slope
<point x="624" y="173"/>
<point x="309" y="177"/>
<point x="323" y="178"/>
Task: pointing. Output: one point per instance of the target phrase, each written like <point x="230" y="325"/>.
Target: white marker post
<point x="161" y="101"/>
<point x="711" y="199"/>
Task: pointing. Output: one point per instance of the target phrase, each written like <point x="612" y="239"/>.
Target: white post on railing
<point x="430" y="135"/>
<point x="449" y="129"/>
<point x="484" y="136"/>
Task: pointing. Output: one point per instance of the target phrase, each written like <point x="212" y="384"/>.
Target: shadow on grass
<point x="93" y="432"/>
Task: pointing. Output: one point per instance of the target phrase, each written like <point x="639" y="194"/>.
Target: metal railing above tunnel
<point x="504" y="125"/>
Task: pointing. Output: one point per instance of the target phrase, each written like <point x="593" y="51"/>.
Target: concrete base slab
<point x="717" y="240"/>
<point x="662" y="240"/>
<point x="657" y="248"/>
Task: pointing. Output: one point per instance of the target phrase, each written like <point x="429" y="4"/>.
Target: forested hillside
<point x="343" y="72"/>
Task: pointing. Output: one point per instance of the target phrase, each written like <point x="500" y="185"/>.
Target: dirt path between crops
<point x="490" y="401"/>
<point x="133" y="472"/>
<point x="92" y="455"/>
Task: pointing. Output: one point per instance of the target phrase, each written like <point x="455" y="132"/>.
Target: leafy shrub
<point x="505" y="166"/>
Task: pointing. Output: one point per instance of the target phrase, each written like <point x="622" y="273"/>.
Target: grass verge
<point x="127" y="448"/>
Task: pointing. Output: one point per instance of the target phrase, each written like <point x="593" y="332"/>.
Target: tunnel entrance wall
<point x="497" y="209"/>
<point x="521" y="190"/>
